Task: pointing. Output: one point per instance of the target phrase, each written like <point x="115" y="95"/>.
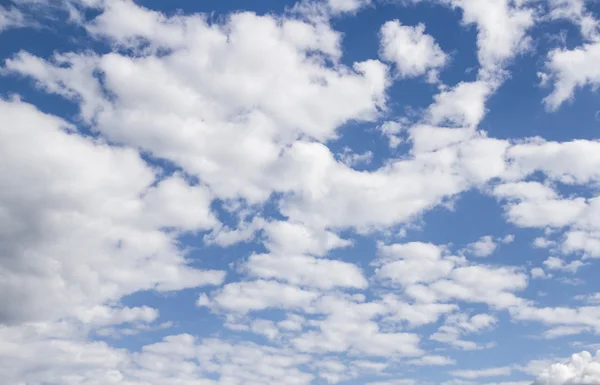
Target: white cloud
<point x="342" y="6"/>
<point x="539" y="273"/>
<point x="581" y="368"/>
<point x="585" y="316"/>
<point x="587" y="241"/>
<point x="576" y="12"/>
<point x="244" y="297"/>
<point x="484" y="247"/>
<point x="432" y="361"/>
<point x="349" y="327"/>
<point x="265" y="327"/>
<point x="103" y="315"/>
<point x="479" y="373"/>
<point x="555" y="263"/>
<point x="535" y="205"/>
<point x="233" y="96"/>
<point x="315" y="187"/>
<point x="413" y="52"/>
<point x="10" y="18"/>
<point x="573" y="162"/>
<point x="426" y="138"/>
<point x="43" y="354"/>
<point x="75" y="227"/>
<point x="429" y="276"/>
<point x="494" y="286"/>
<point x="461" y="105"/>
<point x="568" y="70"/>
<point x="543" y="243"/>
<point x="293" y="322"/>
<point x="306" y="271"/>
<point x="502" y="30"/>
<point x="351" y="159"/>
<point x="391" y="129"/>
<point x="335" y="371"/>
<point x="412" y="263"/>
<point x="457" y="325"/>
<point x="85" y="223"/>
<point x="285" y="237"/>
<point x="400" y="312"/>
<point x="508" y="239"/>
<point x="561" y="331"/>
<point x="592" y="298"/>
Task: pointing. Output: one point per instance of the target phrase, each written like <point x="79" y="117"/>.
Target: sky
<point x="270" y="192"/>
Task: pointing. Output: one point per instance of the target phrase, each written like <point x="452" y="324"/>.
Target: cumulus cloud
<point x="568" y="70"/>
<point x="457" y="325"/>
<point x="77" y="230"/>
<point x="411" y="50"/>
<point x="305" y="270"/>
<point x="502" y="30"/>
<point x="224" y="99"/>
<point x="226" y="130"/>
<point x="462" y="105"/>
<point x="482" y="248"/>
<point x="581" y="368"/>
<point x="428" y="274"/>
<point x="341" y="6"/>
<point x="258" y="295"/>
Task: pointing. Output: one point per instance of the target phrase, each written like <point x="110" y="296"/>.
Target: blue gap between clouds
<point x="219" y="8"/>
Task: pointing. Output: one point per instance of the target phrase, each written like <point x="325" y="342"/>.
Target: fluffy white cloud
<point x="62" y="358"/>
<point x="258" y="295"/>
<point x="284" y="237"/>
<point x="349" y="326"/>
<point x="412" y="51"/>
<point x="306" y="271"/>
<point x="575" y="11"/>
<point x="581" y="368"/>
<point x="555" y="263"/>
<point x="462" y="105"/>
<point x="205" y="101"/>
<point x="341" y="6"/>
<point x="266" y="84"/>
<point x="568" y="70"/>
<point x="84" y="223"/>
<point x="335" y="371"/>
<point x="574" y="162"/>
<point x="539" y="273"/>
<point x="457" y="325"/>
<point x="502" y="30"/>
<point x="535" y="205"/>
<point x="76" y="227"/>
<point x="482" y="248"/>
<point x="412" y="263"/>
<point x="584" y="317"/>
<point x="429" y="276"/>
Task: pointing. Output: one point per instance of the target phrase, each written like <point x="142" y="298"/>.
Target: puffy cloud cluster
<point x="581" y="368"/>
<point x="82" y="221"/>
<point x="411" y="50"/>
<point x="245" y="109"/>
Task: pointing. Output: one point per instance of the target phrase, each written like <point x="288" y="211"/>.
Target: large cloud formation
<point x="198" y="130"/>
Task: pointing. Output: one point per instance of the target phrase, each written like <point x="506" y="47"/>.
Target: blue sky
<point x="361" y="192"/>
